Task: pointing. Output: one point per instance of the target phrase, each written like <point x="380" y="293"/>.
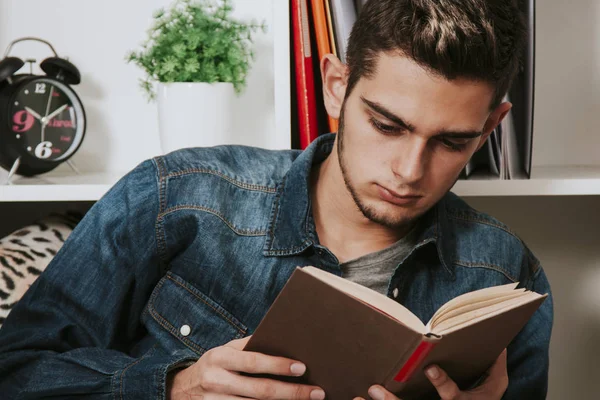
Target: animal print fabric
<point x="25" y="253"/>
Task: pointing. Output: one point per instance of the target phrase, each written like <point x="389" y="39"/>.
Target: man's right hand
<point x="216" y="376"/>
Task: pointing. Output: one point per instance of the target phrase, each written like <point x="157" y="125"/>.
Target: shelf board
<point x="59" y="187"/>
<point x="545" y="181"/>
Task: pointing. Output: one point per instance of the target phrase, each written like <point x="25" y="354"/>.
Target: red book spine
<point x="305" y="81"/>
<point x="415" y="359"/>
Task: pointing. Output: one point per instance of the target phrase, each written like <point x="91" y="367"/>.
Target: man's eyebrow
<point x="388" y="114"/>
<point x="399" y="121"/>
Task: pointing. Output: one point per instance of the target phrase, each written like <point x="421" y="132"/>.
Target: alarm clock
<point x="42" y="120"/>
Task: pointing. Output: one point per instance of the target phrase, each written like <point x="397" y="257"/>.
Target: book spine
<point x="305" y="90"/>
<point x="415" y="359"/>
<point x="322" y="36"/>
<point x="330" y="27"/>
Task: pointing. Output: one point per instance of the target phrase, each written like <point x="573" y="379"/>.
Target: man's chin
<point x="394" y="217"/>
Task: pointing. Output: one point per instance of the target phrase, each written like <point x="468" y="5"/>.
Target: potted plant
<point x="200" y="57"/>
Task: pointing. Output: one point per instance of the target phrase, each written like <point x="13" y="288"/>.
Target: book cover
<point x="344" y="15"/>
<point x="330" y="28"/>
<point x="322" y="38"/>
<point x="351" y="337"/>
<point x="305" y="82"/>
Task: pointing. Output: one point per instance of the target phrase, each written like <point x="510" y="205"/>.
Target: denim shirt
<point x="206" y="238"/>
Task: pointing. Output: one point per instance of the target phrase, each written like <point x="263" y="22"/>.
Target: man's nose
<point x="411" y="162"/>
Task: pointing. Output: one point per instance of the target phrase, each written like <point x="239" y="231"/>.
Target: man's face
<point x="404" y="137"/>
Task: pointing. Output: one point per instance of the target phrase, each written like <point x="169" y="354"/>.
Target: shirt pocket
<point x="193" y="318"/>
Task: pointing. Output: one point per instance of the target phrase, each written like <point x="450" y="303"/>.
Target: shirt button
<point x="185" y="330"/>
<point x="395" y="292"/>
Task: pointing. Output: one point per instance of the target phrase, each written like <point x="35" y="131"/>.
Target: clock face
<point x="46" y="119"/>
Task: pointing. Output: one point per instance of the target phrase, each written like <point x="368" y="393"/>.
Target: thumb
<point x="445" y="386"/>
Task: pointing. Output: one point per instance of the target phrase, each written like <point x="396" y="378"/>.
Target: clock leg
<point x="13" y="170"/>
<point x="73" y="167"/>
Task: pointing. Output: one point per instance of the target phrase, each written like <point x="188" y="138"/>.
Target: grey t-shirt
<point x="374" y="270"/>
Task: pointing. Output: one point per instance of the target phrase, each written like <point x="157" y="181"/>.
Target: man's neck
<point x="341" y="226"/>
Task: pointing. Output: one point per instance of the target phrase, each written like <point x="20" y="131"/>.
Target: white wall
<point x="96" y="36"/>
<point x="567" y="95"/>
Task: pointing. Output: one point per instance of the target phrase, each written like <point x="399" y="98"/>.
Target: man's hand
<point x="492" y="388"/>
<point x="215" y="376"/>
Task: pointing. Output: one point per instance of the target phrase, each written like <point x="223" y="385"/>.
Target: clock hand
<point x="30" y="111"/>
<point x="49" y="101"/>
<point x="54" y="114"/>
<point x="47" y="111"/>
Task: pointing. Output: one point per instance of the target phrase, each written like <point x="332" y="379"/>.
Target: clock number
<point x="40" y="88"/>
<point x="23" y="121"/>
<point x="43" y="150"/>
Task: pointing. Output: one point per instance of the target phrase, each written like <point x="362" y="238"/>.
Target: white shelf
<point x="545" y="181"/>
<point x="59" y="187"/>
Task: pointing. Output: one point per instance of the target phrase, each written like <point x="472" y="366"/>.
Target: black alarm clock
<point x="42" y="120"/>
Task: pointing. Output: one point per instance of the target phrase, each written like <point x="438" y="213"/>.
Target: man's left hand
<point x="493" y="387"/>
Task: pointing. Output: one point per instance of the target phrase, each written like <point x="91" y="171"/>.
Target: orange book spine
<point x="323" y="46"/>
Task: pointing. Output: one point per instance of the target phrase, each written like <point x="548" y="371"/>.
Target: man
<point x="158" y="288"/>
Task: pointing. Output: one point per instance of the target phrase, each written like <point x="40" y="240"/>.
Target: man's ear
<point x="335" y="79"/>
<point x="493" y="121"/>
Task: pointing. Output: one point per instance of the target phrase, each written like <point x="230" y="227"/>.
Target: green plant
<point x="196" y="41"/>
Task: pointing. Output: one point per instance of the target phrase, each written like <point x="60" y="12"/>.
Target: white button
<point x="394" y="293"/>
<point x="185" y="330"/>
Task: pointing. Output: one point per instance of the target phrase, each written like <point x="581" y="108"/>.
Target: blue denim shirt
<point x="207" y="238"/>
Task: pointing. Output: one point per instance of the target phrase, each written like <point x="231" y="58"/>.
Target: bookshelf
<point x="558" y="176"/>
<point x="90" y="186"/>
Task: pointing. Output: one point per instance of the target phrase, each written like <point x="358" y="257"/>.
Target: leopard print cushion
<point x="25" y="253"/>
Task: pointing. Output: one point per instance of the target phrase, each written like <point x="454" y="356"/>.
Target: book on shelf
<point x="330" y="27"/>
<point x="507" y="153"/>
<point x="321" y="33"/>
<point x="351" y="337"/>
<point x="306" y="106"/>
<point x="344" y="15"/>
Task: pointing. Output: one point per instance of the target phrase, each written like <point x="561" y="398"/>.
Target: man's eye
<point x="456" y="145"/>
<point x="383" y="128"/>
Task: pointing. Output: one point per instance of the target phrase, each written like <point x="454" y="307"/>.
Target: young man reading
<point x="156" y="291"/>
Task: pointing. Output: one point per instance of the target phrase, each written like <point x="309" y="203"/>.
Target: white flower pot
<point x="195" y="114"/>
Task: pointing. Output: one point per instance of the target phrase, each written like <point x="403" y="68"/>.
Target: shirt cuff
<point x="146" y="378"/>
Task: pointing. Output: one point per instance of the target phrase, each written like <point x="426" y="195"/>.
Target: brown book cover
<point x="351" y="337"/>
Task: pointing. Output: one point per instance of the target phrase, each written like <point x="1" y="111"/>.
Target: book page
<point x="474" y="316"/>
<point x="474" y="297"/>
<point x="480" y="303"/>
<point x="370" y="297"/>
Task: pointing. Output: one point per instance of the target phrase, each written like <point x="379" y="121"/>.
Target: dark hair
<point x="480" y="40"/>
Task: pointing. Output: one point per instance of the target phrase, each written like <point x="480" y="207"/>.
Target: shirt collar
<point x="290" y="227"/>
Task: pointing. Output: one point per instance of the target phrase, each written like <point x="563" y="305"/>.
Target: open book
<point x="351" y="337"/>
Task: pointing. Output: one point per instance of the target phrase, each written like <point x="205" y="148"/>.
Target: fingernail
<point x="376" y="393"/>
<point x="317" y="394"/>
<point x="432" y="372"/>
<point x="298" y="369"/>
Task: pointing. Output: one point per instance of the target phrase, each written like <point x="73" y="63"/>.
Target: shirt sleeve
<point x="71" y="333"/>
<point x="528" y="360"/>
